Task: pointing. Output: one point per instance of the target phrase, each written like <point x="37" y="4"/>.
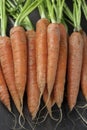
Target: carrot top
<point x="20" y="13"/>
<point x="14" y="9"/>
<point x="58" y="7"/>
<point x="26" y="10"/>
<point x="3" y="18"/>
<point x="84" y="8"/>
<point x="75" y="16"/>
<point x="51" y="13"/>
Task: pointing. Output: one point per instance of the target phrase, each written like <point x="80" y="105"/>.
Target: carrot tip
<point x="71" y="107"/>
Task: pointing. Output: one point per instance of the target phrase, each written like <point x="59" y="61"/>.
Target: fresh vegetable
<point x="41" y="53"/>
<point x="4" y="94"/>
<point x="6" y="58"/>
<point x="33" y="93"/>
<point x="59" y="85"/>
<point x="84" y="66"/>
<point x="75" y="56"/>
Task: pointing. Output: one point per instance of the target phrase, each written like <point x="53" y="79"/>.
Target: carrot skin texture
<point x="61" y="68"/>
<point x="33" y="93"/>
<point x="53" y="38"/>
<point x="41" y="53"/>
<point x="74" y="68"/>
<point x="19" y="49"/>
<point x="4" y="94"/>
<point x="6" y="60"/>
<point x="84" y="66"/>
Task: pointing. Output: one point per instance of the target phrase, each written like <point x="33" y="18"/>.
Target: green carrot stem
<point x="84" y="8"/>
<point x="51" y="11"/>
<point x="41" y="9"/>
<point x="60" y="5"/>
<point x="77" y="14"/>
<point x="27" y="11"/>
<point x="3" y="18"/>
<point x="68" y="12"/>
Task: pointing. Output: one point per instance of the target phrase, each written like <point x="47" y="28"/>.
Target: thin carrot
<point x="61" y="68"/>
<point x="19" y="50"/>
<point x="51" y="100"/>
<point x="84" y="66"/>
<point x="53" y="40"/>
<point x="6" y="60"/>
<point x="41" y="53"/>
<point x="33" y="93"/>
<point x="74" y="67"/>
<point x="75" y="55"/>
<point x="4" y="94"/>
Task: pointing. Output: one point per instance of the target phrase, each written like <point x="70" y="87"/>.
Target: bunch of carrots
<point x="41" y="61"/>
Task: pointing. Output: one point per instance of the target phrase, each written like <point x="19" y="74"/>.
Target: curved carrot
<point x="53" y="39"/>
<point x="33" y="93"/>
<point x="84" y="67"/>
<point x="74" y="67"/>
<point x="6" y="60"/>
<point x="41" y="53"/>
<point x="19" y="50"/>
<point x="61" y="68"/>
<point x="4" y="94"/>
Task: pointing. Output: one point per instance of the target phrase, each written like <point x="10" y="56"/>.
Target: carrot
<point x="4" y="94"/>
<point x="33" y="93"/>
<point x="74" y="67"/>
<point x="53" y="40"/>
<point x="19" y="50"/>
<point x="84" y="67"/>
<point x="6" y="60"/>
<point x="61" y="67"/>
<point x="41" y="53"/>
<point x="51" y="100"/>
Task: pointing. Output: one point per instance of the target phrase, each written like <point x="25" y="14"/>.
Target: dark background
<point x="70" y="121"/>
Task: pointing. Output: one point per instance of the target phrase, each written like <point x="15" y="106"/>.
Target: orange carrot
<point x="41" y="53"/>
<point x="19" y="50"/>
<point x="4" y="94"/>
<point x="33" y="93"/>
<point x="61" y="68"/>
<point x="74" y="67"/>
<point x="53" y="39"/>
<point x="84" y="67"/>
<point x="6" y="60"/>
<point x="51" y="100"/>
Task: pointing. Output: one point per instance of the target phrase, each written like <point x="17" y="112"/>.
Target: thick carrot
<point x="19" y="50"/>
<point x="74" y="67"/>
<point x="33" y="93"/>
<point x="61" y="68"/>
<point x="53" y="39"/>
<point x="41" y="53"/>
<point x="4" y="94"/>
<point x="84" y="67"/>
<point x="6" y="60"/>
<point x="51" y="100"/>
